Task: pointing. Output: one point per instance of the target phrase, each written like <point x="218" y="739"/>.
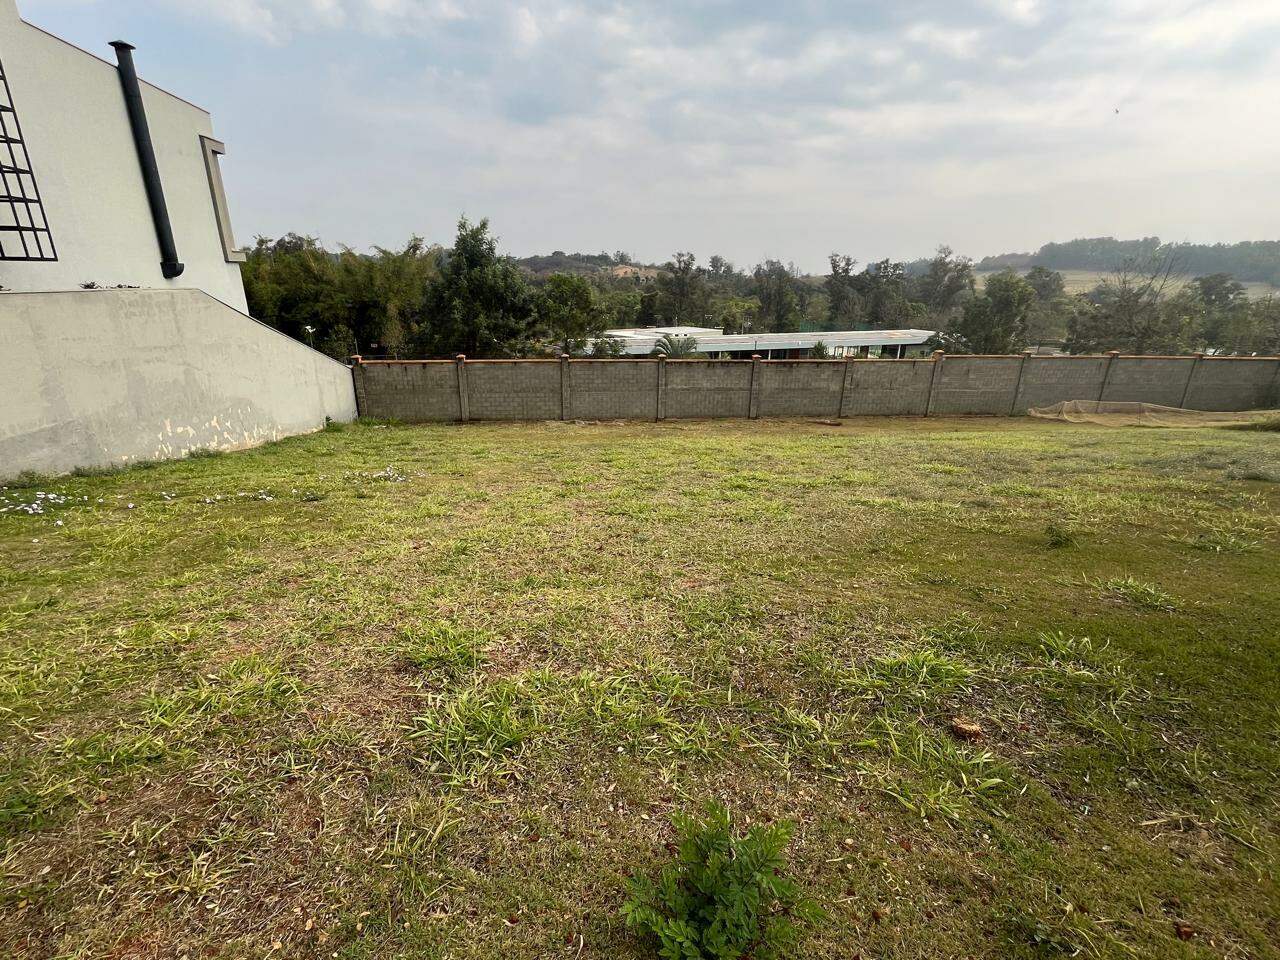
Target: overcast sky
<point x="784" y="129"/>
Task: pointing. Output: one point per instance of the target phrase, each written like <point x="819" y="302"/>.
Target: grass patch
<point x="1136" y="593"/>
<point x="427" y="691"/>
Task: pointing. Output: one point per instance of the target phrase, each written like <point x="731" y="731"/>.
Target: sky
<point x="788" y="129"/>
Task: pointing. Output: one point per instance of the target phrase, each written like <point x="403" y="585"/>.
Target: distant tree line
<point x="1251" y="261"/>
<point x="431" y="301"/>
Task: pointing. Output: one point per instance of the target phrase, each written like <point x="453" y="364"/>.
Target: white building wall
<point x="73" y="118"/>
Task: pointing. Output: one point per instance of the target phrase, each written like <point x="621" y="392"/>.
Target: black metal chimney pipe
<point x="169" y="264"/>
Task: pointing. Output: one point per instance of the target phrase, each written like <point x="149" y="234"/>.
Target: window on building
<point x="24" y="231"/>
<point x="212" y="151"/>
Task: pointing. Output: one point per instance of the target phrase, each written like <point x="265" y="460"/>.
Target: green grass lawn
<point x="436" y="691"/>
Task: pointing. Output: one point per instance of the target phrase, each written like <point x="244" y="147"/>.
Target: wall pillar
<point x="753" y="405"/>
<point x="1017" y="389"/>
<point x="1106" y="376"/>
<point x="1191" y="375"/>
<point x="358" y="384"/>
<point x="564" y="387"/>
<point x="933" y="381"/>
<point x="844" y="385"/>
<point x="661" y="412"/>
<point x="464" y="404"/>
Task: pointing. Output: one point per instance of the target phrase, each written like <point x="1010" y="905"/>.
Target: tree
<point x="844" y="306"/>
<point x="674" y="347"/>
<point x="647" y="312"/>
<point x="1220" y="308"/>
<point x="819" y="351"/>
<point x="1047" y="320"/>
<point x="1266" y="314"/>
<point x="1131" y="313"/>
<point x="618" y="308"/>
<point x="718" y="268"/>
<point x="682" y="291"/>
<point x="481" y="306"/>
<point x="1048" y="284"/>
<point x="946" y="284"/>
<point x="736" y="314"/>
<point x="883" y="288"/>
<point x="774" y="285"/>
<point x="995" y="322"/>
<point x="342" y="303"/>
<point x="567" y="309"/>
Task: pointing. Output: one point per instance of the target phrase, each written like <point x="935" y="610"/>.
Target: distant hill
<point x="560" y="262"/>
<point x="1251" y="260"/>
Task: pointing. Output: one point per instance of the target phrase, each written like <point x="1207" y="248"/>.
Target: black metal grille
<point x="24" y="231"/>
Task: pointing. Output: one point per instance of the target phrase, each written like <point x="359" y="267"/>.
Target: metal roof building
<point x="640" y="341"/>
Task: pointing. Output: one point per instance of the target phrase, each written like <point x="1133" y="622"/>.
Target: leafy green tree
<point x="819" y="351"/>
<point x="736" y="314"/>
<point x="1049" y="285"/>
<point x="682" y="292"/>
<point x="774" y="285"/>
<point x="1266" y="318"/>
<point x="1048" y="317"/>
<point x="946" y="284"/>
<point x="481" y="306"/>
<point x="883" y="288"/>
<point x="567" y="309"/>
<point x="647" y="312"/>
<point x="720" y="269"/>
<point x="674" y="347"/>
<point x="605" y="348"/>
<point x="995" y="322"/>
<point x="1131" y="312"/>
<point x="1221" y="313"/>
<point x="844" y="305"/>
<point x="342" y="303"/>
<point x="618" y="308"/>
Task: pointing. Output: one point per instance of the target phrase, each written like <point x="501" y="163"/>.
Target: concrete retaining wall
<point x="96" y="378"/>
<point x="415" y="390"/>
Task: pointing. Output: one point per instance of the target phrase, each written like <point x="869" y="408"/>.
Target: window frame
<point x="212" y="150"/>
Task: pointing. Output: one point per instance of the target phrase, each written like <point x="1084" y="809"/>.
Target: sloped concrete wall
<point x="97" y="378"/>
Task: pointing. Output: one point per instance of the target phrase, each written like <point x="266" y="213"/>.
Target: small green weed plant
<point x="725" y="897"/>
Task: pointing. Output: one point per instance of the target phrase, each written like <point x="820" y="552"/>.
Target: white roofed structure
<point x="640" y="341"/>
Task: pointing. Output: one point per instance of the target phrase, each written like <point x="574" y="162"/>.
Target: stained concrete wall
<point x="891" y="388"/>
<point x="669" y="389"/>
<point x="612" y="390"/>
<point x="801" y="388"/>
<point x="1161" y="380"/>
<point x="1049" y="380"/>
<point x="1234" y="383"/>
<point x="708" y="388"/>
<point x="96" y="378"/>
<point x="976" y="385"/>
<point x="513" y="390"/>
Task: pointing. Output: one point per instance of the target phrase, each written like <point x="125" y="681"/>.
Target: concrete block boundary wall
<point x="661" y="389"/>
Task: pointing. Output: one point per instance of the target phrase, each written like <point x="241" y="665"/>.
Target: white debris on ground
<point x="40" y="503"/>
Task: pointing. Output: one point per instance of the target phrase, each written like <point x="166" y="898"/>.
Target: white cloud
<point x="989" y="124"/>
<point x="959" y="43"/>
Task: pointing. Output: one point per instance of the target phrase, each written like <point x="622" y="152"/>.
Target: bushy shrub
<point x="725" y="897"/>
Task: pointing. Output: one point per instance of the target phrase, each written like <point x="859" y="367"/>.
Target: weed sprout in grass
<point x="725" y="897"/>
<point x="1136" y="593"/>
